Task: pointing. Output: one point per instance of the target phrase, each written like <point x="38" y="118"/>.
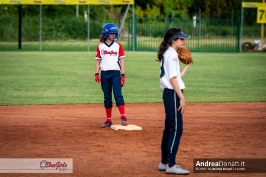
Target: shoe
<point x="107" y="124"/>
<point x="162" y="167"/>
<point x="124" y="120"/>
<point x="176" y="169"/>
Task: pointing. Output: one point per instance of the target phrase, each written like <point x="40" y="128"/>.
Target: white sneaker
<point x="176" y="169"/>
<point x="162" y="167"/>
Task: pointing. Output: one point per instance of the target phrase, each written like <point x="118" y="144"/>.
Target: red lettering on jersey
<point x="105" y="52"/>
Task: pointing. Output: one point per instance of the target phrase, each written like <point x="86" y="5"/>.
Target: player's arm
<point x="122" y="65"/>
<point x="184" y="70"/>
<point x="98" y="59"/>
<point x="97" y="66"/>
<point x="179" y="93"/>
<point x="121" y="56"/>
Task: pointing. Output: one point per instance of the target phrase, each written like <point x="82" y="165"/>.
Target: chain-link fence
<point x="71" y="33"/>
<point x="207" y="35"/>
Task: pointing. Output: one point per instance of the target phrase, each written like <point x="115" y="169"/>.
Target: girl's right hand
<point x="182" y="105"/>
<point x="97" y="77"/>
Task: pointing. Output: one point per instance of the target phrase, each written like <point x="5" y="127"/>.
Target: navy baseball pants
<point x="111" y="82"/>
<point x="173" y="127"/>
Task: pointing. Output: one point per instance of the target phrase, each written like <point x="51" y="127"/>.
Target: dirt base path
<point x="211" y="130"/>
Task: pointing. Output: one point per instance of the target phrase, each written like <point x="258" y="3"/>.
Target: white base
<point x="128" y="127"/>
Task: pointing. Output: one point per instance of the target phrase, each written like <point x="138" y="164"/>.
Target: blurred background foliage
<point x="221" y="9"/>
<point x="64" y="22"/>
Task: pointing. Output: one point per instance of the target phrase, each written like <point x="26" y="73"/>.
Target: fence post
<point x="129" y="32"/>
<point x="40" y="45"/>
<point x="88" y="33"/>
<point x="198" y="30"/>
<point x="19" y="25"/>
<point x="239" y="34"/>
<point x="134" y="33"/>
<point x="241" y="27"/>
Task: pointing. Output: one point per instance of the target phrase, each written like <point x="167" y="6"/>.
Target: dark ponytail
<point x="166" y="43"/>
<point x="162" y="48"/>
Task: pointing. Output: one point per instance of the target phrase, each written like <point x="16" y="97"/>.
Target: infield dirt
<point x="211" y="130"/>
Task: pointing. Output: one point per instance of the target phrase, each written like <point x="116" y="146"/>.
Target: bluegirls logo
<point x="44" y="164"/>
<point x="105" y="52"/>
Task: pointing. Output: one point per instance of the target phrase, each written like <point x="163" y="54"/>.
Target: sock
<point x="121" y="109"/>
<point x="109" y="114"/>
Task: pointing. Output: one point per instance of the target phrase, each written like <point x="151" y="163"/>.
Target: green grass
<point x="62" y="46"/>
<point x="227" y="77"/>
<point x="68" y="78"/>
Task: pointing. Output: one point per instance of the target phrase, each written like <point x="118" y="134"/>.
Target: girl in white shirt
<point x="173" y="98"/>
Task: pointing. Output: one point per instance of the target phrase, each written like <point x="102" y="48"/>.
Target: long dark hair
<point x="102" y="39"/>
<point x="166" y="43"/>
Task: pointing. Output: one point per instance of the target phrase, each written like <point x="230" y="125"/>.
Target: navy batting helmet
<point x="110" y="28"/>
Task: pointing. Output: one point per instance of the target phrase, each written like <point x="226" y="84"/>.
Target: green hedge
<point x="63" y="28"/>
<point x="71" y="27"/>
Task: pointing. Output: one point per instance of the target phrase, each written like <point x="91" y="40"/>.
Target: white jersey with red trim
<point x="170" y="68"/>
<point x="109" y="55"/>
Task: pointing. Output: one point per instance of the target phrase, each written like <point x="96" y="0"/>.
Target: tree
<point x="144" y="3"/>
<point x="222" y="9"/>
<point x="176" y="8"/>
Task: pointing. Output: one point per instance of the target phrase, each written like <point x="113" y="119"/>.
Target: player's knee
<point x="108" y="103"/>
<point x="119" y="100"/>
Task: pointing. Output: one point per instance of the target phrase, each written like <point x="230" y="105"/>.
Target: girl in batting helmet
<point x="110" y="61"/>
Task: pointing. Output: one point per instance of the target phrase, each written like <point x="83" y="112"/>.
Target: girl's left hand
<point x="123" y="80"/>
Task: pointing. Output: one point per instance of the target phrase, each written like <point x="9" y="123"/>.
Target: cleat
<point x="107" y="124"/>
<point x="162" y="167"/>
<point x="124" y="120"/>
<point x="176" y="169"/>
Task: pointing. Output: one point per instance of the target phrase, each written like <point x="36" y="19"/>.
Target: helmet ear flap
<point x="104" y="33"/>
<point x="117" y="36"/>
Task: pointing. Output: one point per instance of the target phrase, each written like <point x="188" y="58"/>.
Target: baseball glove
<point x="184" y="55"/>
